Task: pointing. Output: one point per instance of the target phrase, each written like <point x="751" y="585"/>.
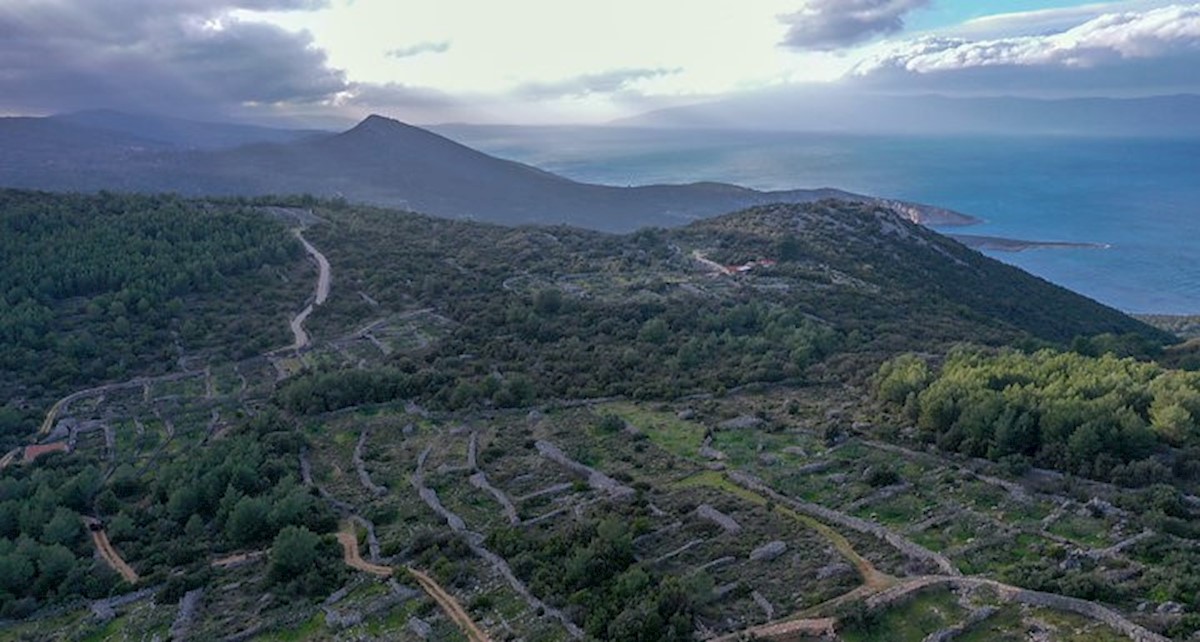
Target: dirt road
<point x="451" y="606"/>
<point x="324" y="272"/>
<point x="301" y="338"/>
<point x="713" y="266"/>
<point x="138" y="382"/>
<point x="350" y="554"/>
<point x="107" y="552"/>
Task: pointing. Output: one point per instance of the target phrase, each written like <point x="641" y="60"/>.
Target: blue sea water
<point x="1139" y="196"/>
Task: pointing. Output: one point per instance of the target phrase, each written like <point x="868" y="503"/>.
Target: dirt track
<point x="108" y="553"/>
<point x="322" y="293"/>
<point x="451" y="606"/>
<point x="350" y="554"/>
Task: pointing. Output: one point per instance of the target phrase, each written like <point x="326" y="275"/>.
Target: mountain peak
<point x="375" y="122"/>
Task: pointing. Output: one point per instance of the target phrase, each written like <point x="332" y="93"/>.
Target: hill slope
<point x="212" y="484"/>
<point x="659" y="313"/>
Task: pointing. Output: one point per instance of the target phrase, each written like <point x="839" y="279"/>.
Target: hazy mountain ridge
<point x="379" y="161"/>
<point x="826" y="110"/>
<point x="183" y="133"/>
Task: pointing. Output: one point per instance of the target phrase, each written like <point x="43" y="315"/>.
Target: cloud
<point x="1046" y="21"/>
<point x="188" y="57"/>
<point x="1156" y="48"/>
<point x="418" y="49"/>
<point x="827" y="25"/>
<point x="606" y="82"/>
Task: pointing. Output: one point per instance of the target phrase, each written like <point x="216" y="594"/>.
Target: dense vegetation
<point x="106" y="287"/>
<point x="45" y="554"/>
<point x="242" y="492"/>
<point x="540" y="313"/>
<point x="1103" y="417"/>
<point x="611" y="595"/>
<point x="485" y="318"/>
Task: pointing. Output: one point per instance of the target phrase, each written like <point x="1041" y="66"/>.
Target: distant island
<point x="1000" y="244"/>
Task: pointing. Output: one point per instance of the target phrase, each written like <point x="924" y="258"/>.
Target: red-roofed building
<point x="33" y="452"/>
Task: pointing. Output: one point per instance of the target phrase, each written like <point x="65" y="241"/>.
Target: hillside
<point x="379" y="161"/>
<point x="534" y="433"/>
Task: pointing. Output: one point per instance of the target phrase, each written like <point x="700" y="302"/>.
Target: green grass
<point x="674" y="435"/>
<point x="956" y="532"/>
<point x="311" y="627"/>
<point x="1084" y="530"/>
<point x="911" y="621"/>
<point x="1024" y="547"/>
<point x="897" y="511"/>
<point x="108" y="632"/>
<point x="1003" y="626"/>
<point x="1012" y="624"/>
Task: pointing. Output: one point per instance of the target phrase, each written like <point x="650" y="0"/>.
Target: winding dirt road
<point x="107" y="552"/>
<point x="351" y="555"/>
<point x="451" y="607"/>
<point x="353" y="558"/>
<point x="302" y="339"/>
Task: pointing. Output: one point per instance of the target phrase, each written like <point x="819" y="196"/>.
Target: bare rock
<point x="768" y="551"/>
<point x="1169" y="608"/>
<point x="833" y="570"/>
<point x="727" y="523"/>
<point x="708" y="452"/>
<point x="420" y="628"/>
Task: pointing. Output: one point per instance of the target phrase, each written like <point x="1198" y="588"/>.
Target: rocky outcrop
<point x="727" y="523"/>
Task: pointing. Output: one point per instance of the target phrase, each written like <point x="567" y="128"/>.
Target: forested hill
<point x="104" y="288"/>
<point x="108" y="287"/>
<point x="922" y="277"/>
<point x="210" y="461"/>
<point x="757" y="296"/>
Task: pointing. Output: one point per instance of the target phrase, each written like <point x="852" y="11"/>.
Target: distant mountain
<point x="182" y="133"/>
<point x="820" y="109"/>
<point x="379" y="161"/>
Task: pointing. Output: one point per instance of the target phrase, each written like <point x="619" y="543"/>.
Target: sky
<point x="569" y="61"/>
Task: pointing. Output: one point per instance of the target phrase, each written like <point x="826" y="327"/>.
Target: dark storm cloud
<point x="606" y="82"/>
<point x="188" y="57"/>
<point x="827" y="25"/>
<point x="418" y="49"/>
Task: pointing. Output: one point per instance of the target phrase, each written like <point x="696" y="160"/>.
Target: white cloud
<point x="1107" y="39"/>
<point x="418" y="49"/>
<point x="605" y="82"/>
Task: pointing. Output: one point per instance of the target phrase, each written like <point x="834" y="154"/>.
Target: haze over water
<point x="1140" y="196"/>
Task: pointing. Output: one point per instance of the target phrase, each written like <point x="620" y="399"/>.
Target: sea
<point x="1138" y="198"/>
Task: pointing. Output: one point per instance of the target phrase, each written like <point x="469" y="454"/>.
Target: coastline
<point x="1001" y="244"/>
